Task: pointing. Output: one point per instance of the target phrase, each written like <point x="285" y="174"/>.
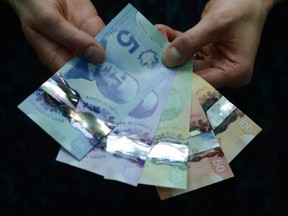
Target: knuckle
<point x="184" y="44"/>
<point x="47" y="21"/>
<point x="223" y="20"/>
<point x="186" y="40"/>
<point x="74" y="43"/>
<point x="160" y="26"/>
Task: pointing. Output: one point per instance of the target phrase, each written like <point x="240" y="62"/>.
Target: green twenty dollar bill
<point x="166" y="163"/>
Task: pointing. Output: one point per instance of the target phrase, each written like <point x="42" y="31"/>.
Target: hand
<point x="227" y="36"/>
<point x="61" y="29"/>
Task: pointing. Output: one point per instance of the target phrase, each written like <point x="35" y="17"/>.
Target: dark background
<point x="33" y="183"/>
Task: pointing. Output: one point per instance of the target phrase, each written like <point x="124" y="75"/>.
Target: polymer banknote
<point x="207" y="163"/>
<point x="116" y="133"/>
<point x="82" y="103"/>
<point x="199" y="122"/>
<point x="166" y="162"/>
<point x="233" y="129"/>
<point x="125" y="160"/>
<point x="211" y="152"/>
<point x="130" y="141"/>
<point x="235" y="133"/>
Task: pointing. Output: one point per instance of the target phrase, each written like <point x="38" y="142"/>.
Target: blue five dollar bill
<point x="124" y="160"/>
<point x="82" y="103"/>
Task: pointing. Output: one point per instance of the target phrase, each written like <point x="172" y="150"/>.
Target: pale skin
<point x="59" y="29"/>
<point x="227" y="35"/>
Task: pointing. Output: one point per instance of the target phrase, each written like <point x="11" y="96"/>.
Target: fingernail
<point x="94" y="55"/>
<point x="172" y="57"/>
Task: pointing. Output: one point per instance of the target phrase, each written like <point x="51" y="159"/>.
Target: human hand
<point x="227" y="37"/>
<point x="61" y="29"/>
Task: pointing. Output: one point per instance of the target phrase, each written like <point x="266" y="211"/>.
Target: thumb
<point x="76" y="40"/>
<point x="187" y="44"/>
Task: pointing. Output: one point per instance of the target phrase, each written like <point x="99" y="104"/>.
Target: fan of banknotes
<point x="133" y="120"/>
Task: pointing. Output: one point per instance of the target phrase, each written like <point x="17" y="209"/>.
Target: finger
<point x="52" y="55"/>
<point x="187" y="44"/>
<point x="93" y="26"/>
<point x="77" y="40"/>
<point x="164" y="33"/>
<point x="169" y="33"/>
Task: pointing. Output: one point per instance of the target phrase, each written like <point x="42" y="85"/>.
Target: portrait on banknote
<point x="111" y="81"/>
<point x="116" y="85"/>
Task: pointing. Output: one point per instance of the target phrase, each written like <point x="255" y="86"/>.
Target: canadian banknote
<point x="166" y="162"/>
<point x="131" y="139"/>
<point x="233" y="129"/>
<point x="204" y="167"/>
<point x="206" y="162"/>
<point x="82" y="102"/>
<point x="133" y="136"/>
<point x="93" y="162"/>
<point x="199" y="122"/>
<point x="235" y="133"/>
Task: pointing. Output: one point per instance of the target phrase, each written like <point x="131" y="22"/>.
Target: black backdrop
<point x="33" y="183"/>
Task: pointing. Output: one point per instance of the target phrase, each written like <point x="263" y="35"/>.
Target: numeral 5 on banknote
<point x="82" y="102"/>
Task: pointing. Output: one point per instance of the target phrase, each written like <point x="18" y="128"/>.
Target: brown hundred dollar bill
<point x="233" y="129"/>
